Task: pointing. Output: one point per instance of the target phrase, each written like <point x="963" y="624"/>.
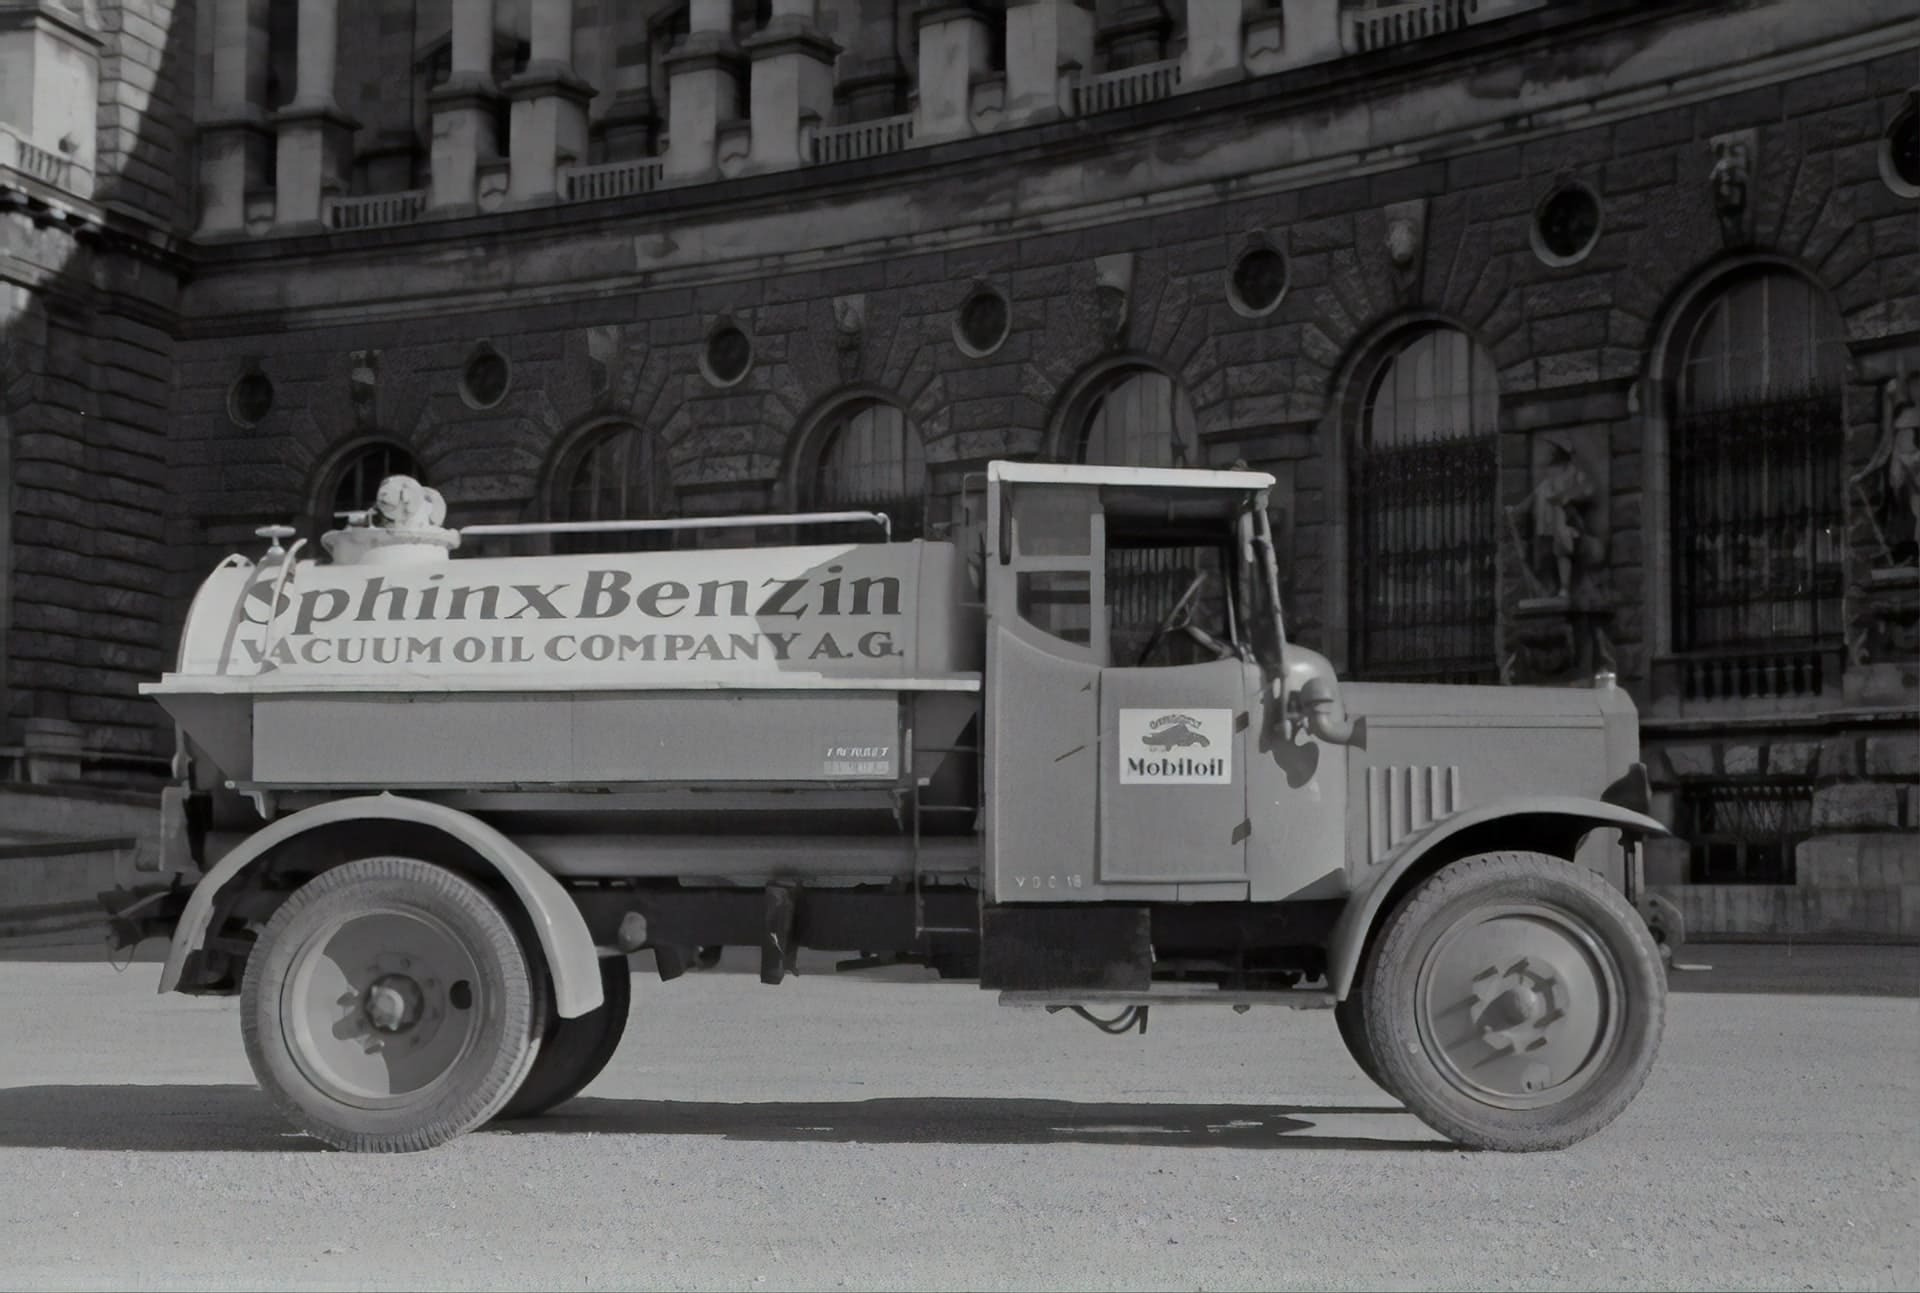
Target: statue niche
<point x="1884" y="623"/>
<point x="1559" y="631"/>
<point x="1888" y="487"/>
<point x="1565" y="549"/>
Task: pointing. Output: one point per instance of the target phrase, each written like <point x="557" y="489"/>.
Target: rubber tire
<point x="576" y="1050"/>
<point x="1389" y="1005"/>
<point x="1348" y="1016"/>
<point x="485" y="1078"/>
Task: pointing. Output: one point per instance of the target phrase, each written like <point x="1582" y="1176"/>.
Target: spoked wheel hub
<point x="1519" y="1006"/>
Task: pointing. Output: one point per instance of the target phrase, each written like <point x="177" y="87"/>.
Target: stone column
<point x="873" y="82"/>
<point x="629" y="123"/>
<point x="1214" y="36"/>
<point x="549" y="105"/>
<point x="1046" y="39"/>
<point x="1310" y="32"/>
<point x="954" y="49"/>
<point x="703" y="89"/>
<point x="1137" y="35"/>
<point x="463" y="108"/>
<point x="792" y="77"/>
<point x="316" y="138"/>
<point x="234" y="135"/>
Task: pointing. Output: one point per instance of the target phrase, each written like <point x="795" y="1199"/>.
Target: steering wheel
<point x="1181" y="617"/>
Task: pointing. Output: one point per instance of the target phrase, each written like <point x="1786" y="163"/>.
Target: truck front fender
<point x="1526" y="816"/>
<point x="568" y="947"/>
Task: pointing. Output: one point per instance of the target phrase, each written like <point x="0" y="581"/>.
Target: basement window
<point x="1745" y="830"/>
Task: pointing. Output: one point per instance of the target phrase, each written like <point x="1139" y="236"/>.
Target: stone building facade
<point x="1580" y="334"/>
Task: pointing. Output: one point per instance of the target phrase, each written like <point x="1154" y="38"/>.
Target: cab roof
<point x="1050" y="473"/>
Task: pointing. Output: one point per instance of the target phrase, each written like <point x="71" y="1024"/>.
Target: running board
<point x="1174" y="994"/>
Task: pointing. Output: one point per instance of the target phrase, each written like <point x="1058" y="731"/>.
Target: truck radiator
<point x="1402" y="800"/>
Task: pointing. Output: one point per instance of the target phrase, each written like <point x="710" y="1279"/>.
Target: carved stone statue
<point x="1557" y="507"/>
<point x="364" y="385"/>
<point x="1732" y="164"/>
<point x="850" y="333"/>
<point x="1895" y="470"/>
<point x="1112" y="296"/>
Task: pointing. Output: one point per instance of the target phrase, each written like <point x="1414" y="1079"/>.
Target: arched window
<point x="620" y="473"/>
<point x="1141" y="420"/>
<point x="1424" y="484"/>
<point x="870" y="458"/>
<point x="356" y="480"/>
<point x="1754" y="466"/>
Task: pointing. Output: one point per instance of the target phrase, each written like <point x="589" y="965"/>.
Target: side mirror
<point x="1311" y="698"/>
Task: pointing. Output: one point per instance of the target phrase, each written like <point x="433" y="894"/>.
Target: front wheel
<point x="389" y="1006"/>
<point x="1514" y="1001"/>
<point x="1353" y="1031"/>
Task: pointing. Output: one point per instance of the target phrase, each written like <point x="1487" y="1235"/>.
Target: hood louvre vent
<point x="1402" y="800"/>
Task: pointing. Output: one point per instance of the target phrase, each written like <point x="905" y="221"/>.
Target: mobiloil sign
<point x="1166" y="747"/>
<point x="834" y="610"/>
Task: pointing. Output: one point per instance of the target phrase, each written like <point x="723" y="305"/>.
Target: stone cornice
<point x="465" y="90"/>
<point x="548" y="81"/>
<point x="704" y="50"/>
<point x="805" y="41"/>
<point x="318" y="114"/>
<point x="947" y="11"/>
<point x="69" y="24"/>
<point x="235" y="117"/>
<point x="1201" y="141"/>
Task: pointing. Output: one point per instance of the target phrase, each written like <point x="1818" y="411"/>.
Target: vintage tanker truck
<point x="430" y="803"/>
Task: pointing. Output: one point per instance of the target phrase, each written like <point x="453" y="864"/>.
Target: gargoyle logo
<point x="1149" y="737"/>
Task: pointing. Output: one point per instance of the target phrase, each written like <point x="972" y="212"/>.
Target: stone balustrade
<point x="611" y="180"/>
<point x="50" y="168"/>
<point x="375" y="211"/>
<point x="862" y="140"/>
<point x="1396" y="24"/>
<point x="1127" y="88"/>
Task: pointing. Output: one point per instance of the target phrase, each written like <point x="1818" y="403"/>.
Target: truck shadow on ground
<point x="188" y="1119"/>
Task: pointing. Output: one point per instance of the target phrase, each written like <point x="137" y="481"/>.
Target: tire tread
<point x="1511" y="874"/>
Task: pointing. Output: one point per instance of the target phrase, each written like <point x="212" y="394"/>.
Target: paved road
<point x="833" y="1133"/>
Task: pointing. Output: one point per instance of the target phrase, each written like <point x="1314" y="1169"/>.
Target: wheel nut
<point x="385" y="1008"/>
<point x="1517" y="1005"/>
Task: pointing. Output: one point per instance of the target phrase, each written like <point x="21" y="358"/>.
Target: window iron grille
<point x="1425" y="543"/>
<point x="620" y="476"/>
<point x="1745" y="830"/>
<point x="872" y="460"/>
<point x="1758" y="540"/>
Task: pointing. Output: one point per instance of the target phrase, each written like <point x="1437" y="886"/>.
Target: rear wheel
<point x="576" y="1050"/>
<point x="389" y="1006"/>
<point x="1514" y="1001"/>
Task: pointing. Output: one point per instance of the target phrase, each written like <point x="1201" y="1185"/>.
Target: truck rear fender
<point x="572" y="961"/>
<point x="1545" y="824"/>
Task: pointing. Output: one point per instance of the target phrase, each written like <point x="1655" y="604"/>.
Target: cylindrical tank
<point x="635" y="687"/>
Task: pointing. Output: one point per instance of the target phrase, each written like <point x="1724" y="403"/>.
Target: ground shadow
<point x="229" y="1118"/>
